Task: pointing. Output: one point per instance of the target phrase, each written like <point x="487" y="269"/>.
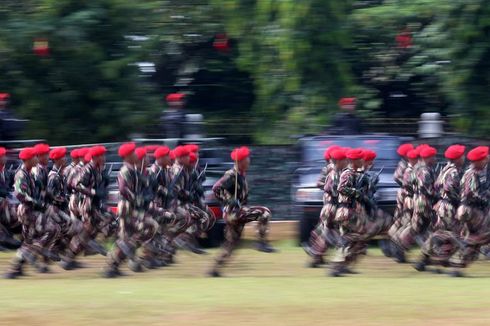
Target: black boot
<point x="135" y="266"/>
<point x="214" y="273"/>
<point x="111" y="272"/>
<point x="265" y="247"/>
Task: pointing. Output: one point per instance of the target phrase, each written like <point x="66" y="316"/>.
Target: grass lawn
<point x="262" y="289"/>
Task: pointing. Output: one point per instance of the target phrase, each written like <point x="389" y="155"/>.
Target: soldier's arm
<point x="21" y="187"/>
<point x="221" y="188"/>
<point x="346" y="186"/>
<point x="451" y="186"/>
<point x="55" y="190"/>
<point x="399" y="172"/>
<point x="124" y="188"/>
<point x="83" y="183"/>
<point x="427" y="184"/>
<point x="320" y="183"/>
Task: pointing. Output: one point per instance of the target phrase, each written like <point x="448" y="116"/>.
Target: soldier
<point x="442" y="243"/>
<point x="159" y="174"/>
<point x="398" y="177"/>
<point x="8" y="215"/>
<point x="37" y="229"/>
<point x="90" y="185"/>
<point x="134" y="227"/>
<point x="327" y="168"/>
<point x="326" y="226"/>
<point x="182" y="187"/>
<point x="349" y="215"/>
<point x="472" y="212"/>
<point x="232" y="191"/>
<point x="417" y="230"/>
<point x="405" y="216"/>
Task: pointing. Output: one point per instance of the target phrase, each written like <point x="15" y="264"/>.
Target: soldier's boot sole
<point x="135" y="266"/>
<point x="456" y="274"/>
<point x="214" y="273"/>
<point x="10" y="275"/>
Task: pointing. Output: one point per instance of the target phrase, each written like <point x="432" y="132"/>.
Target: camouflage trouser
<point x="235" y="222"/>
<point x="404" y="218"/>
<point x="39" y="233"/>
<point x="377" y="223"/>
<point x="94" y="221"/>
<point x="136" y="228"/>
<point x="8" y="218"/>
<point x="74" y="205"/>
<point x="202" y="220"/>
<point x="478" y="235"/>
<point x="69" y="227"/>
<point x="318" y="237"/>
<point x="400" y="200"/>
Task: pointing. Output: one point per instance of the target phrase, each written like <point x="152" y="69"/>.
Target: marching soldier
<point x="423" y="200"/>
<point x="473" y="213"/>
<point x="442" y="243"/>
<point x="8" y="214"/>
<point x="37" y="230"/>
<point x="320" y="235"/>
<point x="398" y="177"/>
<point x="232" y="191"/>
<point x="326" y="168"/>
<point x="349" y="215"/>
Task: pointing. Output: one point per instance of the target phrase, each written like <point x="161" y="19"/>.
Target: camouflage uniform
<point x="350" y="216"/>
<point x="473" y="214"/>
<point x="442" y="243"/>
<point x="37" y="229"/>
<point x="91" y="187"/>
<point x="405" y="215"/>
<point x="423" y="202"/>
<point x="326" y="226"/>
<point x="237" y="214"/>
<point x="8" y="214"/>
<point x="72" y="172"/>
<point x="401" y="193"/>
<point x="136" y="228"/>
<point x="323" y="177"/>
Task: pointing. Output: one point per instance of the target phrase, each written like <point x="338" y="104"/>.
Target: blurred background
<point x="258" y="71"/>
<point x="272" y="74"/>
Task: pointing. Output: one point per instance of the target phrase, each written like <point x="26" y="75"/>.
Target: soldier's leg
<point x="233" y="233"/>
<point x="262" y="216"/>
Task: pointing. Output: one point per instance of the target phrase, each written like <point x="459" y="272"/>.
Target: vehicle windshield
<point x="384" y="147"/>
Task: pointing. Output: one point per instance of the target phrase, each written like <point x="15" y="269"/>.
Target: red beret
<point x="175" y="97"/>
<point x="193" y="148"/>
<point x="329" y="150"/>
<point x="171" y="154"/>
<point x="427" y="152"/>
<point x="347" y="101"/>
<point x="4" y="96"/>
<point x="87" y="157"/>
<point x="82" y="152"/>
<point x="57" y="153"/>
<point x="337" y="154"/>
<point x="193" y="157"/>
<point x="161" y="151"/>
<point x="27" y="153"/>
<point x="404" y="149"/>
<point x="140" y="152"/>
<point x="413" y="154"/>
<point x="75" y="153"/>
<point x="354" y="154"/>
<point x="151" y="148"/>
<point x="454" y="152"/>
<point x="41" y="149"/>
<point x="369" y="155"/>
<point x="126" y="149"/>
<point x="97" y="151"/>
<point x="478" y="153"/>
<point x="3" y="151"/>
<point x="181" y="151"/>
<point x="239" y="154"/>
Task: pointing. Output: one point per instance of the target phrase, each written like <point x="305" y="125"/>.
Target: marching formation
<point x="445" y="212"/>
<point x="62" y="212"/>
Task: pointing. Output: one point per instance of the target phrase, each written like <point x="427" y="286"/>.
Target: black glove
<point x="184" y="195"/>
<point x="37" y="204"/>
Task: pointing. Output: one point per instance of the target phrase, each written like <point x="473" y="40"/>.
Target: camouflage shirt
<point x="6" y="182"/>
<point x="331" y="186"/>
<point x="70" y="173"/>
<point x="24" y="186"/>
<point x="323" y="175"/>
<point x="408" y="181"/>
<point x="423" y="181"/>
<point x="57" y="188"/>
<point x="400" y="171"/>
<point x="126" y="180"/>
<point x="448" y="182"/>
<point x="181" y="179"/>
<point x="160" y="182"/>
<point x="88" y="180"/>
<point x="40" y="175"/>
<point x="472" y="192"/>
<point x="348" y="193"/>
<point x="224" y="188"/>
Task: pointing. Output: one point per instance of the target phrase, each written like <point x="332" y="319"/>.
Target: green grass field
<point x="259" y="289"/>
